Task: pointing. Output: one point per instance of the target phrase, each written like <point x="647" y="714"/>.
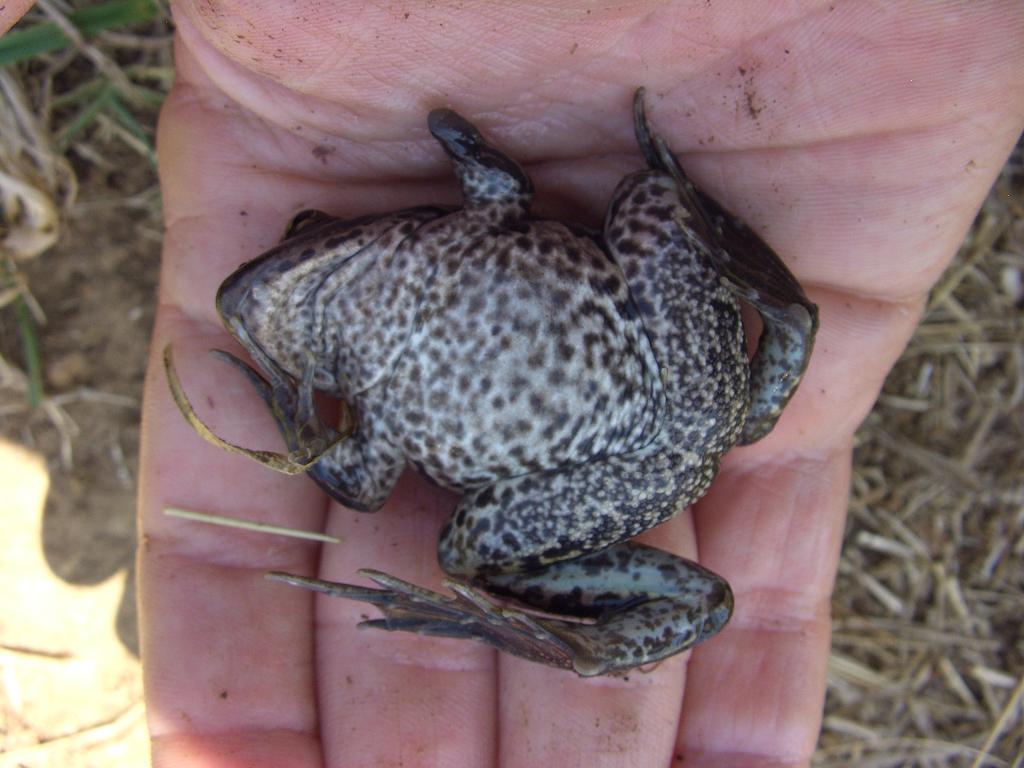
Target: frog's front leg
<point x="361" y="472"/>
<point x="754" y="272"/>
<point x="552" y="541"/>
<point x="493" y="184"/>
<point x="355" y="465"/>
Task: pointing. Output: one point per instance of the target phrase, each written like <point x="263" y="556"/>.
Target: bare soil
<point x="71" y="685"/>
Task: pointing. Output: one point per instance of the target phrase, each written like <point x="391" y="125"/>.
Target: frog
<point x="575" y="386"/>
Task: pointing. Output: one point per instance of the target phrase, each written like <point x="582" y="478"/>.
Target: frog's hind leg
<point x="754" y="272"/>
<point x="556" y="541"/>
<point x="646" y="604"/>
<point x="643" y="604"/>
<point x="551" y="541"/>
<point x="493" y="184"/>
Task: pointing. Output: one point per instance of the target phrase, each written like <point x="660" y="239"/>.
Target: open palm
<point x="857" y="141"/>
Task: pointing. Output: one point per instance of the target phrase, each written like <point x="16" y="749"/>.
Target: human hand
<point x="859" y="143"/>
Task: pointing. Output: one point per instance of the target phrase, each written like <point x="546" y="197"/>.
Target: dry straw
<point x="927" y="661"/>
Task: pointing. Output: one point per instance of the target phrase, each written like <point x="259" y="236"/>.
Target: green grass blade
<point x="30" y="345"/>
<point x="84" y="117"/>
<point x="91" y="89"/>
<point x="22" y="44"/>
<point x="162" y="75"/>
<point x="127" y="119"/>
<point x="148" y="96"/>
<point x="87" y="91"/>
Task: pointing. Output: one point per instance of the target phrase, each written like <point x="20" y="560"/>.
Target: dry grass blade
<point x="249" y="525"/>
<point x="928" y="647"/>
<point x="1010" y="713"/>
<point x="36" y="186"/>
<point x="901" y="753"/>
<point x="103" y="63"/>
<point x="14" y="381"/>
<point x="27" y="146"/>
<point x="29" y="221"/>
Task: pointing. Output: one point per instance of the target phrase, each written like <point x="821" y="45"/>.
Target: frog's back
<point x="527" y="354"/>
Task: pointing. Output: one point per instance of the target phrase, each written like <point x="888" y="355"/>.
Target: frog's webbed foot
<point x="492" y="182"/>
<point x="468" y="615"/>
<point x="354" y="467"/>
<point x="291" y="403"/>
<point x="756" y="273"/>
<point x="307" y="437"/>
<point x="645" y="605"/>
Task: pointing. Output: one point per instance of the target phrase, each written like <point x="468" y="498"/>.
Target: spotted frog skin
<point x="577" y="388"/>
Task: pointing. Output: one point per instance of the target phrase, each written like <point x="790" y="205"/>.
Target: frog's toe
<point x="469" y="615"/>
<point x="306" y="436"/>
<point x="305" y="220"/>
<point x="326" y="478"/>
<point x="260" y="384"/>
<point x="629" y="635"/>
<point x="457" y="135"/>
<point x="642" y="130"/>
<point x="277" y="461"/>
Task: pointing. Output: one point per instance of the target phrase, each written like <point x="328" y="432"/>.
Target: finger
<point x="228" y="658"/>
<point x="224" y="653"/>
<point x="876" y="216"/>
<point x="773" y="529"/>
<point x="392" y="698"/>
<point x="772" y="525"/>
<point x="10" y="12"/>
<point x="553" y="717"/>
